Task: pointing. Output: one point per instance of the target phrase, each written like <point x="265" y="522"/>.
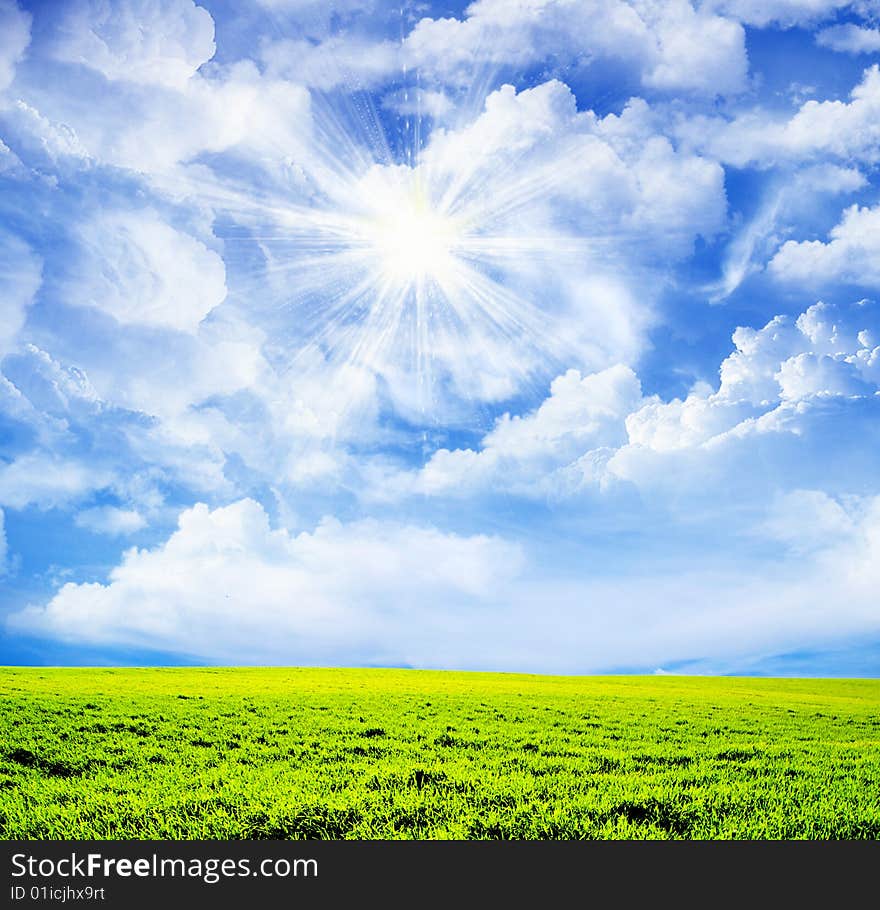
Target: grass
<point x="321" y="753"/>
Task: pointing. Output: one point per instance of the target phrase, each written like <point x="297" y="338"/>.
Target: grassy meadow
<point x="325" y="753"/>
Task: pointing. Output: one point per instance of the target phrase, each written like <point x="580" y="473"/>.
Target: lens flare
<point x="429" y="274"/>
<point x="410" y="239"/>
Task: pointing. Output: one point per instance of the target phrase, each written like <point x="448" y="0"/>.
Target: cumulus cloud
<point x="851" y="253"/>
<point x="671" y="46"/>
<point x="847" y="130"/>
<point x="227" y="586"/>
<point x="159" y="131"/>
<point x="520" y="454"/>
<point x="758" y="239"/>
<point x="138" y="269"/>
<point x="831" y="353"/>
<point x="597" y="431"/>
<point x="618" y="174"/>
<point x="150" y="41"/>
<point x="200" y="412"/>
<point x="53" y="391"/>
<point x="696" y="52"/>
<point x="789" y="387"/>
<point x="42" y="142"/>
<point x="15" y="36"/>
<point x="850" y="39"/>
<point x="238" y="109"/>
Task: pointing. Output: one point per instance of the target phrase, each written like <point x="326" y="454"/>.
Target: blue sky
<point x="531" y="335"/>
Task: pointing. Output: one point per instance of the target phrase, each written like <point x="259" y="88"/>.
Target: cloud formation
<point x="227" y="587"/>
<point x="146" y="41"/>
<point x="597" y="431"/>
<point x="466" y="282"/>
<point x="850" y="39"/>
<point x="138" y="269"/>
<point x="671" y="46"/>
<point x="235" y="589"/>
<point x="844" y="130"/>
<point x="851" y="253"/>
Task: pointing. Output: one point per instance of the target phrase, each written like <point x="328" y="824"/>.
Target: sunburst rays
<point x="403" y="269"/>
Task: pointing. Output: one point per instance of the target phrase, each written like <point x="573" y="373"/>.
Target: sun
<point x="413" y="243"/>
<point x="423" y="276"/>
<point x="410" y="239"/>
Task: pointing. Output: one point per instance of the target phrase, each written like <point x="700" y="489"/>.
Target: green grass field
<point x="305" y="753"/>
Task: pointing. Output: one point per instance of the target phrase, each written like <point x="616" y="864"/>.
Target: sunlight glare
<point x="411" y="240"/>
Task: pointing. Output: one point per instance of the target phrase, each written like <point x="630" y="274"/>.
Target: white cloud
<point x="149" y="41"/>
<point x="786" y="13"/>
<point x="789" y="387"/>
<point x="238" y="109"/>
<point x="673" y="46"/>
<point x="805" y="375"/>
<point x="15" y="36"/>
<point x="617" y="175"/>
<point x="20" y="280"/>
<point x="110" y="520"/>
<point x="825" y="352"/>
<point x="40" y="140"/>
<point x="84" y="439"/>
<point x="10" y="164"/>
<point x="848" y="130"/>
<point x="227" y="586"/>
<point x="520" y="454"/>
<point x="176" y="412"/>
<point x="47" y="481"/>
<point x="820" y="589"/>
<point x="138" y="269"/>
<point x="850" y="39"/>
<point x="793" y="201"/>
<point x="159" y="130"/>
<point x="696" y="52"/>
<point x="851" y="254"/>
<point x="598" y="431"/>
<point x="53" y="390"/>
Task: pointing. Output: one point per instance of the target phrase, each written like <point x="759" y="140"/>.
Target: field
<point x="305" y="753"/>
